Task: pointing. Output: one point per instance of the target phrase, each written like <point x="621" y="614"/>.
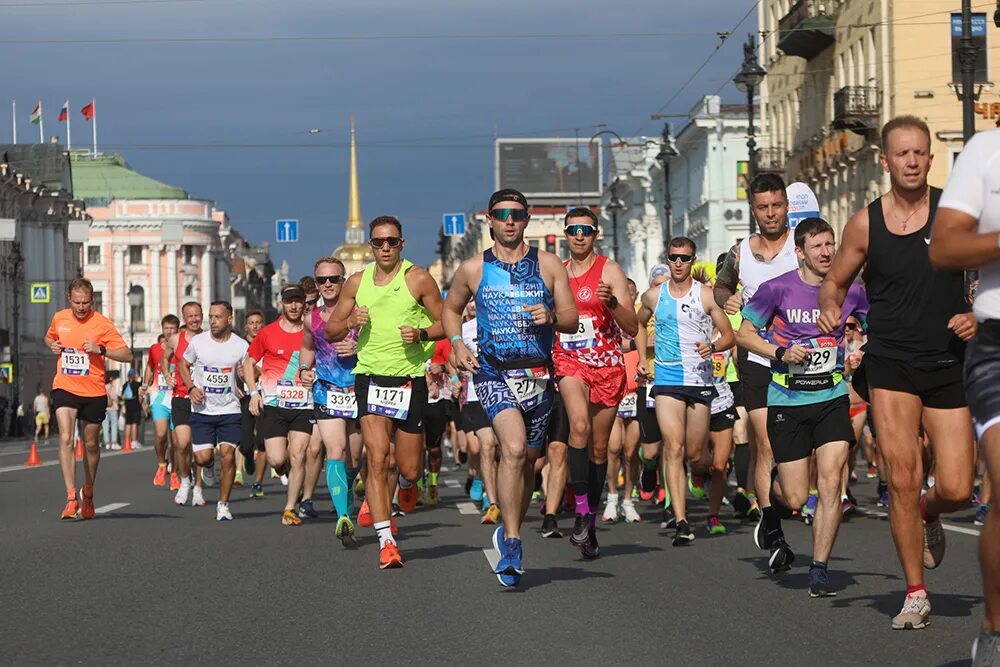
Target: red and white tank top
<point x="180" y="391"/>
<point x="597" y="341"/>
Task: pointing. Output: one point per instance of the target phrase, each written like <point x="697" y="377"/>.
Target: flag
<point x="64" y="112"/>
<point x="36" y="115"/>
<point x="88" y="111"/>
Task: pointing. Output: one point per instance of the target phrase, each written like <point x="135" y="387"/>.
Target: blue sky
<point x="220" y="104"/>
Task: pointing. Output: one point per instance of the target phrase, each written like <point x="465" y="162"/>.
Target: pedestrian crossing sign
<point x="6" y="373"/>
<point x="41" y="292"/>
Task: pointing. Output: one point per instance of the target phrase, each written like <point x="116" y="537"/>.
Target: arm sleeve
<point x="965" y="189"/>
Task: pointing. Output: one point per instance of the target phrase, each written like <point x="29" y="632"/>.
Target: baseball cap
<point x="292" y="292"/>
<point x="507" y="194"/>
<point x="657" y="271"/>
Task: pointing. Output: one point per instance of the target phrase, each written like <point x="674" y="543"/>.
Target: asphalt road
<point x="149" y="582"/>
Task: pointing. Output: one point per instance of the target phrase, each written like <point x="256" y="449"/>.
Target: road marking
<point x="447" y="469"/>
<point x="491" y="558"/>
<point x="55" y="462"/>
<point x="467" y="508"/>
<point x="946" y="526"/>
<point x="105" y="509"/>
<point x="452" y="483"/>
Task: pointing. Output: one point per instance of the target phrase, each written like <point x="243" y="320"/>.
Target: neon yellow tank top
<point x="381" y="351"/>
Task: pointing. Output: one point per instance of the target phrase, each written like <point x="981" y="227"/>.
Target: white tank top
<point x="754" y="273"/>
<point x="681" y="322"/>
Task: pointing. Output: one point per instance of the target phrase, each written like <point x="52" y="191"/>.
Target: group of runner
<point x="550" y="378"/>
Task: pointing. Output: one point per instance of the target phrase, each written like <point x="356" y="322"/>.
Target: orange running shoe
<point x="408" y="498"/>
<point x="72" y="509"/>
<point x="160" y="478"/>
<point x="175" y="481"/>
<point x="365" y="515"/>
<point x="290" y="518"/>
<point x="87" y="506"/>
<point x="389" y="557"/>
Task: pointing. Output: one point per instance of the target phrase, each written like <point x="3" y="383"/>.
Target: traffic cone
<point x="79" y="449"/>
<point x="128" y="444"/>
<point x="33" y="459"/>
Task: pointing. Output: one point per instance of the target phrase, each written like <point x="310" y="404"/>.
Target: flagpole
<point x="41" y="124"/>
<point x="13" y="120"/>
<point x="69" y="132"/>
<point x="93" y="104"/>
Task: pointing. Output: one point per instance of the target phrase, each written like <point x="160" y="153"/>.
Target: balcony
<point x="807" y="29"/>
<point x="856" y="108"/>
<point x="771" y="160"/>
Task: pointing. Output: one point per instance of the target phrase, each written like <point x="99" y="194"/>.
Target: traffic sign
<point x="454" y="224"/>
<point x="6" y="373"/>
<point x="41" y="292"/>
<point x="286" y="231"/>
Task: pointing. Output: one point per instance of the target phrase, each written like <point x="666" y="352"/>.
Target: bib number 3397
<point x="528" y="385"/>
<point x="392" y="402"/>
<point x="75" y="362"/>
<point x="342" y="403"/>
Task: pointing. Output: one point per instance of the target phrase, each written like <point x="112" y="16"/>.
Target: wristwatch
<point x="104" y="351"/>
<point x="423" y="334"/>
<point x="713" y="348"/>
<point x="780" y="353"/>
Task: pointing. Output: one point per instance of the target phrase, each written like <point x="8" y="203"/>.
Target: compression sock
<point x="578" y="462"/>
<point x="597" y="477"/>
<point x="384" y="531"/>
<point x="336" y="483"/>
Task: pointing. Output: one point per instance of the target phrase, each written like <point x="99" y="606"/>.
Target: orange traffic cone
<point x="79" y="449"/>
<point x="128" y="444"/>
<point x="33" y="459"/>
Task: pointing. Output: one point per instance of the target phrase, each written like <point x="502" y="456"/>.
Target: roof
<point x="98" y="180"/>
<point x="44" y="164"/>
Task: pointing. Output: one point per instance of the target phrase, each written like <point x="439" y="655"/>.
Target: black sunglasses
<point x="503" y="214"/>
<point x="322" y="280"/>
<point x="378" y="242"/>
<point x="850" y="326"/>
<point x="683" y="259"/>
<point x="586" y="230"/>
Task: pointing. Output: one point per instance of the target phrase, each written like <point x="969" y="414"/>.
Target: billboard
<point x="550" y="167"/>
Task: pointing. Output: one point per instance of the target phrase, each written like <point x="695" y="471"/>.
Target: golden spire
<point x="354" y="203"/>
<point x="354" y="252"/>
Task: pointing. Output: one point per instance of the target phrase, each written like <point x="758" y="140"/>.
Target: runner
<point x="749" y="263"/>
<point x="590" y="369"/>
<point x="180" y="404"/>
<point x="160" y="393"/>
<point x="439" y="374"/>
<point x="251" y="440"/>
<point x="215" y="405"/>
<point x="398" y="307"/>
<point x="283" y="403"/>
<point x="522" y="296"/>
<point x="111" y="413"/>
<point x="81" y="338"/>
<point x="715" y="457"/>
<point x="911" y="372"/>
<point x="683" y="387"/>
<point x="329" y="369"/>
<point x="966" y="236"/>
<point x="41" y="407"/>
<point x="650" y="437"/>
<point x="623" y="445"/>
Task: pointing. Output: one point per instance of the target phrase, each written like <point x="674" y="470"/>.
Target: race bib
<point x="75" y="362"/>
<point x="719" y="365"/>
<point x="392" y="402"/>
<point x="292" y="396"/>
<point x="583" y="338"/>
<point x="629" y="405"/>
<point x="528" y="385"/>
<point x="650" y="401"/>
<point x="341" y="402"/>
<point x="822" y="358"/>
<point x="217" y="380"/>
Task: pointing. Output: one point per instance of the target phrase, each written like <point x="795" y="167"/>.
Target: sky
<point x="218" y="96"/>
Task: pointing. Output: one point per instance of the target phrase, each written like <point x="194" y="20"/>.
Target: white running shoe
<point x="630" y="513"/>
<point x="611" y="509"/>
<point x="197" y="499"/>
<point x="136" y="445"/>
<point x="208" y="475"/>
<point x="284" y="480"/>
<point x="222" y="512"/>
<point x="116" y="446"/>
<point x="182" y="493"/>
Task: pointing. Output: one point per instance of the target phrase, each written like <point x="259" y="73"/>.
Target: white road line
<point x="491" y="557"/>
<point x="452" y="483"/>
<point x="105" y="509"/>
<point x="947" y="526"/>
<point x="467" y="508"/>
<point x="447" y="469"/>
<point x="55" y="461"/>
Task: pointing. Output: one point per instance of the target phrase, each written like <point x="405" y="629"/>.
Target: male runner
<point x="283" y="402"/>
<point x="754" y="260"/>
<point x="808" y="404"/>
<point x="160" y="394"/>
<point x="180" y="404"/>
<point x="81" y="338"/>
<point x="438" y="413"/>
<point x="590" y="368"/>
<point x="912" y="367"/>
<point x="329" y="369"/>
<point x="966" y="236"/>
<point x="481" y="441"/>
<point x="683" y="387"/>
<point x="397" y="307"/>
<point x="214" y="356"/>
<point x="251" y="441"/>
<point x="522" y="297"/>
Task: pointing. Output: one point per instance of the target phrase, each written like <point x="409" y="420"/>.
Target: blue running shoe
<point x="476" y="492"/>
<point x="508" y="569"/>
<point x="981" y="513"/>
<point x="307" y="511"/>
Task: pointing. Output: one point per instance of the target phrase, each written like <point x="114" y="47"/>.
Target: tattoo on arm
<point x="728" y="276"/>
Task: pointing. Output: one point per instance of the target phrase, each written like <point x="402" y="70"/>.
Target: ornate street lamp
<point x="614" y="207"/>
<point x="749" y="78"/>
<point x="667" y="151"/>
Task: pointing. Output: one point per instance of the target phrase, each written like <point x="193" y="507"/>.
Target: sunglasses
<point x="850" y="327"/>
<point x="312" y="302"/>
<point x="322" y="280"/>
<point x="683" y="259"/>
<point x="378" y="242"/>
<point x="586" y="230"/>
<point x="504" y="214"/>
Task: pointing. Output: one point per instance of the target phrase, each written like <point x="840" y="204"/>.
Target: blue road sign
<point x="978" y="25"/>
<point x="286" y="231"/>
<point x="454" y="224"/>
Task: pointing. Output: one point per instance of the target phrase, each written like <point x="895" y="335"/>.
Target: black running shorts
<point x="795" y="431"/>
<point x="937" y="385"/>
<point x="89" y="409"/>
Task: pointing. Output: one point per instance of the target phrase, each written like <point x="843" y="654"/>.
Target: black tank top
<point x="910" y="302"/>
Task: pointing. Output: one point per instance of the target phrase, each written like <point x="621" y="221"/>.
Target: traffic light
<point x="550" y="243"/>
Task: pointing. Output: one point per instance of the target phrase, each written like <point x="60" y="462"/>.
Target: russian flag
<point x="64" y="112"/>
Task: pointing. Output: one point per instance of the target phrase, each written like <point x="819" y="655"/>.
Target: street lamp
<point x="134" y="301"/>
<point x="750" y="76"/>
<point x="614" y="207"/>
<point x="667" y="151"/>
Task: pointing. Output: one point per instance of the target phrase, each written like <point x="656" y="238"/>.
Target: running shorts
<point x="795" y="431"/>
<point x="607" y="384"/>
<point x="207" y="431"/>
<point x="755" y="379"/>
<point x="436" y="420"/>
<point x="982" y="364"/>
<point x="690" y="395"/>
<point x="278" y="422"/>
<point x="472" y="417"/>
<point x="89" y="409"/>
<point x="496" y="396"/>
<point x="180" y="411"/>
<point x="558" y="422"/>
<point x="649" y="428"/>
<point x="723" y="421"/>
<point x="133" y="412"/>
<point x="41" y="418"/>
<point x="938" y="386"/>
<point x="737" y="389"/>
<point x="159" y="411"/>
<point x="414" y="421"/>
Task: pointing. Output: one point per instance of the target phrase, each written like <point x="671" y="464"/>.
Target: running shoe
<point x="760" y="533"/>
<point x="669" y="520"/>
<point x="848" y="506"/>
<point x="197" y="497"/>
<point x="289" y="518"/>
<point x="661" y="496"/>
<point x="819" y="583"/>
<point x="175" y="481"/>
<point x="87" y="503"/>
<point x="408" y="498"/>
<point x="610" y="510"/>
<point x="981" y="513"/>
<point x="872" y="471"/>
<point x="682" y="534"/>
<point x="256" y="490"/>
<point x="883" y="499"/>
<point x="934" y="544"/>
<point x="986" y="649"/>
<point x="389" y="557"/>
<point x="492" y="516"/>
<point x="809" y="509"/>
<point x="915" y="615"/>
<point x="715" y="526"/>
<point x="629" y="512"/>
<point x="432" y="495"/>
<point x="550" y="527"/>
<point x="238" y="479"/>
<point x="208" y="476"/>
<point x="307" y="511"/>
<point x="536" y="497"/>
<point x="647" y="483"/>
<point x="854" y="476"/>
<point x="741" y="504"/>
<point x="397" y="510"/>
<point x="345" y="531"/>
<point x="72" y="509"/>
<point x="183" y="492"/>
<point x="222" y="512"/>
<point x="486" y="502"/>
<point x="365" y="515"/>
<point x="160" y="478"/>
<point x="591" y="550"/>
<point x="508" y="550"/>
<point x="696" y="485"/>
<point x="284" y="480"/>
<point x="476" y="491"/>
<point x="754" y="513"/>
<point x="581" y="530"/>
<point x="781" y="558"/>
<point x="359" y="487"/>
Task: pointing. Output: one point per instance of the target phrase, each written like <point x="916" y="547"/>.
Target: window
<point x="189" y="254"/>
<point x="189" y="290"/>
<point x="135" y="254"/>
<point x="93" y="254"/>
<point x="533" y="243"/>
<point x="137" y="303"/>
<point x="98" y="304"/>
